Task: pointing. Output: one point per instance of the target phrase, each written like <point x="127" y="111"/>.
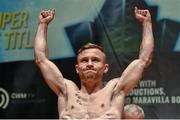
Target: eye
<point x="84" y="60"/>
<point x="95" y="60"/>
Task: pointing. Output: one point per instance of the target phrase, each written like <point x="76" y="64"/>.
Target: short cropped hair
<point x="90" y="46"/>
<point x="134" y="110"/>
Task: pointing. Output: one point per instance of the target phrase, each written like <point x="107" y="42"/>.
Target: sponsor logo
<point x="4" y="98"/>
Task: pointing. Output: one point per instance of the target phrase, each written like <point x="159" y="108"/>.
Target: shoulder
<point x="70" y="84"/>
<point x="112" y="82"/>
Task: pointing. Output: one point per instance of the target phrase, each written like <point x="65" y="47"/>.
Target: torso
<point x="102" y="104"/>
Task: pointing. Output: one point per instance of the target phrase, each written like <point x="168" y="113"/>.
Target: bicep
<point x="131" y="76"/>
<point x="52" y="76"/>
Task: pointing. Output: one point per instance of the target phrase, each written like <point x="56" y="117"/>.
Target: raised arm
<point x="133" y="73"/>
<point x="50" y="72"/>
<point x="147" y="45"/>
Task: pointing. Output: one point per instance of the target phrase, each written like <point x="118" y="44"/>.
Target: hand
<point x="46" y="16"/>
<point x="142" y="15"/>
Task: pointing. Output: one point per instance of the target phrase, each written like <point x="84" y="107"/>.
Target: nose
<point x="89" y="64"/>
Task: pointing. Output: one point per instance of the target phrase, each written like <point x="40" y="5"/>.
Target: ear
<point x="106" y="68"/>
<point x="77" y="71"/>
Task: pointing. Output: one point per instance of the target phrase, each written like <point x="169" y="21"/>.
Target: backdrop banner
<point x="109" y="23"/>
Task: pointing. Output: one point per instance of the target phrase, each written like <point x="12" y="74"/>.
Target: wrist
<point x="43" y="24"/>
<point x="147" y="22"/>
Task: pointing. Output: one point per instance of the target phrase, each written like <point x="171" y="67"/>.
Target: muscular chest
<point x="91" y="103"/>
<point x="79" y="105"/>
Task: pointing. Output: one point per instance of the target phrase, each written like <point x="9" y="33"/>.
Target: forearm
<point x="40" y="43"/>
<point x="147" y="45"/>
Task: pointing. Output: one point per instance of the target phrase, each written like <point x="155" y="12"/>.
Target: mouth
<point x="89" y="70"/>
<point x="90" y="74"/>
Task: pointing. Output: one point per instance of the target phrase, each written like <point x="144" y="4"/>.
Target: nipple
<point x="102" y="105"/>
<point x="72" y="106"/>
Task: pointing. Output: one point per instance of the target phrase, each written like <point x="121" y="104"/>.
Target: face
<point x="91" y="64"/>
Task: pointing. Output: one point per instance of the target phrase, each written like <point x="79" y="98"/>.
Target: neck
<point x="91" y="87"/>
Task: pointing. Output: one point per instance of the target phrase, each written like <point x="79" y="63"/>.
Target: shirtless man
<point x="92" y="100"/>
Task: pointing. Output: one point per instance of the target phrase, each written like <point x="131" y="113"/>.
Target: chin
<point x="90" y="77"/>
